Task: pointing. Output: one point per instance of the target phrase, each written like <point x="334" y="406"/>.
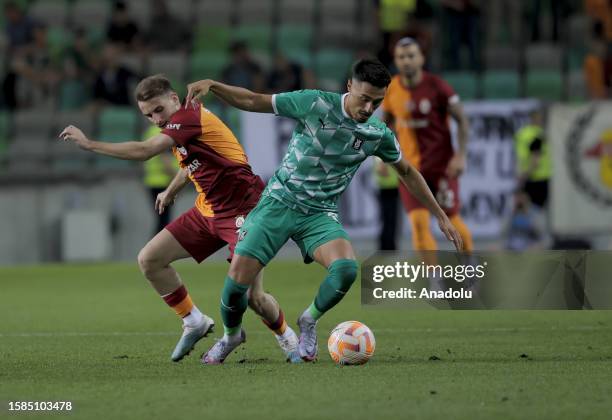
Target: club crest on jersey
<point x="173" y="126"/>
<point x="182" y="150"/>
<point x="357" y="143"/>
<point x="239" y="221"/>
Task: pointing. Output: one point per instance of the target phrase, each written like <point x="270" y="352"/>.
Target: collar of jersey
<point x="346" y="115"/>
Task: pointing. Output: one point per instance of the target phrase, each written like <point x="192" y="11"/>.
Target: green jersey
<point x="326" y="149"/>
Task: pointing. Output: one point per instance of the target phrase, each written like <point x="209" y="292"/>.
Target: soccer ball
<point x="351" y="343"/>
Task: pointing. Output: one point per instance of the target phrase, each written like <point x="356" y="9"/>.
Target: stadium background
<point x="79" y="323"/>
<point x="506" y="51"/>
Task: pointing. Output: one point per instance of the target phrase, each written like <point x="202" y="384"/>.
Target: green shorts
<point x="271" y="223"/>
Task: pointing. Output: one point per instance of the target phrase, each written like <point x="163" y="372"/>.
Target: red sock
<point x="279" y="326"/>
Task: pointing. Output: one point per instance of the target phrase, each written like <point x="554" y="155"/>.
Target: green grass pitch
<point x="99" y="336"/>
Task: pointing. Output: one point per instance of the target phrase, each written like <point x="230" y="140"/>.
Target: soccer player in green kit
<point x="334" y="134"/>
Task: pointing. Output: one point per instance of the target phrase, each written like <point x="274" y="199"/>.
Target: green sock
<point x="342" y="274"/>
<point x="233" y="304"/>
<point x="314" y="312"/>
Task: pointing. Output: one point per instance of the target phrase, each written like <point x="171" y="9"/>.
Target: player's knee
<point x="343" y="273"/>
<point x="147" y="262"/>
<point x="256" y="300"/>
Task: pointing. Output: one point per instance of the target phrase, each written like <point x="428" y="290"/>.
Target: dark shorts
<point x="203" y="236"/>
<point x="445" y="190"/>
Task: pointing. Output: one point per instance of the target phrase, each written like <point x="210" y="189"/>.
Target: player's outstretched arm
<point x="168" y="196"/>
<point x="129" y="150"/>
<point x="416" y="184"/>
<point x="456" y="166"/>
<point x="235" y="96"/>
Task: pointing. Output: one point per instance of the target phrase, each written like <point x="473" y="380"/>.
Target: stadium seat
<point x="134" y="62"/>
<point x="211" y="38"/>
<point x="543" y="56"/>
<point x="577" y="88"/>
<point x="300" y="56"/>
<point x="499" y="57"/>
<point x="73" y="94"/>
<point x="92" y="14"/>
<point x="501" y="85"/>
<point x="214" y="13"/>
<point x="117" y="124"/>
<point x="4" y="132"/>
<point x="296" y="11"/>
<point x="32" y="124"/>
<point x="172" y="64"/>
<point x="464" y="83"/>
<point x="333" y="64"/>
<point x="58" y="40"/>
<point x="257" y="37"/>
<point x="140" y="11"/>
<point x="52" y="12"/>
<point x="255" y="12"/>
<point x="289" y="37"/>
<point x="545" y="85"/>
<point x="207" y="65"/>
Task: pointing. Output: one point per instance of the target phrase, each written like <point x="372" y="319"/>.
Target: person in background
<point x="288" y="75"/>
<point x="388" y="201"/>
<point x="122" y="29"/>
<point x="112" y="82"/>
<point x="243" y="70"/>
<point x="158" y="172"/>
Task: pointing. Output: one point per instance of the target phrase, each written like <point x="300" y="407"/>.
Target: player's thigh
<point x="162" y="249"/>
<point x="336" y="249"/>
<point x="266" y="229"/>
<point x="196" y="234"/>
<point x="322" y="238"/>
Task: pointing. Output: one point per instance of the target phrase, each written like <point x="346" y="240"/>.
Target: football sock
<point x="464" y="232"/>
<point x="279" y="326"/>
<point x="422" y="238"/>
<point x="233" y="304"/>
<point x="181" y="302"/>
<point x="342" y="274"/>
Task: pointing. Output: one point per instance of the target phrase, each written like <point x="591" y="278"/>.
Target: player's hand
<point x="450" y="232"/>
<point x="72" y="133"/>
<point x="197" y="89"/>
<point x="164" y="200"/>
<point x="456" y="166"/>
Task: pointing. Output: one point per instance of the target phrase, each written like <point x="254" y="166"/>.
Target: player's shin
<point x="233" y="305"/>
<point x="341" y="275"/>
<point x="464" y="232"/>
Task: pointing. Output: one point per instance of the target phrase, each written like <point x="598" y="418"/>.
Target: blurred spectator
<point x="598" y="65"/>
<point x="401" y="18"/>
<point x="287" y="76"/>
<point x="559" y="10"/>
<point x="122" y="29"/>
<point x="388" y="205"/>
<point x="521" y="232"/>
<point x="158" y="172"/>
<point x="601" y="11"/>
<point x="112" y="82"/>
<point x="463" y="18"/>
<point x="163" y="40"/>
<point x="78" y="72"/>
<point x="533" y="158"/>
<point x="19" y="27"/>
<point x="34" y="72"/>
<point x="503" y="21"/>
<point x="242" y="70"/>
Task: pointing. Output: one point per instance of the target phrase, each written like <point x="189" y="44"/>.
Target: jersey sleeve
<point x="447" y="94"/>
<point x="294" y="104"/>
<point x="184" y="126"/>
<point x="389" y="150"/>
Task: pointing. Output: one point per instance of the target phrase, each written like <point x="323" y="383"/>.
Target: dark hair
<point x="372" y="71"/>
<point x="152" y="87"/>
